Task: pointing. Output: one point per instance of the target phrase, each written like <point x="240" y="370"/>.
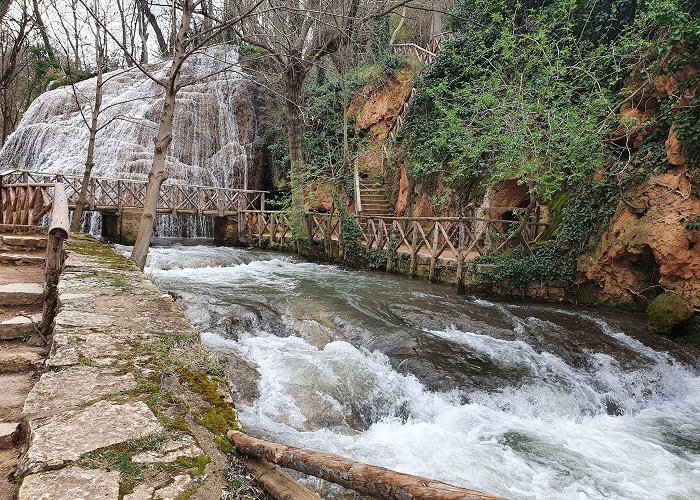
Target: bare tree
<point x="100" y="60"/>
<point x="296" y="35"/>
<point x="4" y="7"/>
<point x="183" y="48"/>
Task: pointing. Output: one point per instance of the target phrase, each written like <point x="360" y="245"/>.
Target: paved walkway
<point x="130" y="406"/>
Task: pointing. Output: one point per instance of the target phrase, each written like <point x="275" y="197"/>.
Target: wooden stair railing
<point x="425" y="55"/>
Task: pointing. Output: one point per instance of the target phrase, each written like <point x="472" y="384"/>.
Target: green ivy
<point x="519" y="269"/>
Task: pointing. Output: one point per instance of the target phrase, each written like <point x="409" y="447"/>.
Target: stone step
<point x="369" y="206"/>
<point x="19" y="358"/>
<point x="15" y="387"/>
<point x="21" y="294"/>
<point x="21" y="258"/>
<point x="9" y="432"/>
<point x="33" y="242"/>
<point x="19" y="327"/>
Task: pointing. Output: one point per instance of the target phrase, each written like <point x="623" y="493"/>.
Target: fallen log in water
<point x="277" y="483"/>
<point x="371" y="480"/>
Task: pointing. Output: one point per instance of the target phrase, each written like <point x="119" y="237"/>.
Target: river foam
<point x="335" y="374"/>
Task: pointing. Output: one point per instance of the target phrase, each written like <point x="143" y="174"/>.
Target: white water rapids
<point x="523" y="401"/>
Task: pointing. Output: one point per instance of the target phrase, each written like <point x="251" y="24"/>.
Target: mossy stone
<point x="668" y="310"/>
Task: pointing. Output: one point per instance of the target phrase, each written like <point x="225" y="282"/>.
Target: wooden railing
<point x="426" y="56"/>
<point x="115" y="195"/>
<point x="24" y="204"/>
<point x="29" y="204"/>
<point x="451" y="239"/>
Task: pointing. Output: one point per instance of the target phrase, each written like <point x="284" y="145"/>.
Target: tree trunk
<point x="42" y="30"/>
<point x="146" y="11"/>
<point x="376" y="482"/>
<point x="122" y="18"/>
<point x="162" y="141"/>
<point x="90" y="159"/>
<point x="293" y="79"/>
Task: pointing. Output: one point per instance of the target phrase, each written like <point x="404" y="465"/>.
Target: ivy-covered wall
<point x="587" y="104"/>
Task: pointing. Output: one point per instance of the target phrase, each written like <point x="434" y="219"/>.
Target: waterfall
<point x="213" y="130"/>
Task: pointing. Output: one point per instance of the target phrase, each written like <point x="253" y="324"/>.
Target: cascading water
<point x="213" y="128"/>
<point x="524" y="401"/>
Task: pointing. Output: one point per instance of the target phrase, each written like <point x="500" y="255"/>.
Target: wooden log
<point x="58" y="232"/>
<point x="377" y="482"/>
<point x="276" y="482"/>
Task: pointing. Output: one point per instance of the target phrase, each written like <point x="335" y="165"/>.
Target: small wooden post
<point x="433" y="250"/>
<point x="459" y="279"/>
<point x="273" y="228"/>
<point x="260" y="227"/>
<point x="414" y="251"/>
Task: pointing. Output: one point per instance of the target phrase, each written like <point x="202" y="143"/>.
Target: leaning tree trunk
<point x="90" y="160"/>
<point x="162" y="141"/>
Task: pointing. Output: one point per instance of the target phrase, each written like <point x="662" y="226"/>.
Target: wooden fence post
<point x="414" y="252"/>
<point x="433" y="250"/>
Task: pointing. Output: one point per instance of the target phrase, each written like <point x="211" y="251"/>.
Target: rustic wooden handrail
<point x="110" y="194"/>
<point x="371" y="480"/>
<point x="447" y="239"/>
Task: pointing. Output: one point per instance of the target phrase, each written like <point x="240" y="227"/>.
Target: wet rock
<point x="55" y="440"/>
<point x="60" y="391"/>
<point x="72" y="483"/>
<point x="668" y="310"/>
<point x="243" y="377"/>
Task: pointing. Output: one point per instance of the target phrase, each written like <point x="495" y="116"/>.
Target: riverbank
<point x="131" y="405"/>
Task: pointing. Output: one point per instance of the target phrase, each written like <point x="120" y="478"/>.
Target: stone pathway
<point x="22" y="349"/>
<point x="131" y="406"/>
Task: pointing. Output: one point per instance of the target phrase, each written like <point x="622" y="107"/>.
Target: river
<point x="515" y="399"/>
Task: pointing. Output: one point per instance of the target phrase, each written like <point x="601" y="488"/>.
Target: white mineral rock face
<point x="209" y="147"/>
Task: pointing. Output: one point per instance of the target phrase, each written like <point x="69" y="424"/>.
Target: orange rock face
<point x="404" y="191"/>
<point x="379" y="111"/>
<point x="649" y="245"/>
<point x="674" y="149"/>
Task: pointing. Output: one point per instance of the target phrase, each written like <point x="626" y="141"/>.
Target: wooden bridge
<point x="25" y="198"/>
<point x="451" y="241"/>
<point x="20" y="187"/>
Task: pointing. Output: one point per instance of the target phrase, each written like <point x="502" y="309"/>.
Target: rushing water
<point x="520" y="400"/>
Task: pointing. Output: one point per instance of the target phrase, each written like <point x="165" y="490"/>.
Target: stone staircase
<point x="22" y="349"/>
<point x="374" y="199"/>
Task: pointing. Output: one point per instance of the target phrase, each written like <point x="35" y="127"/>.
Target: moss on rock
<point x="668" y="310"/>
